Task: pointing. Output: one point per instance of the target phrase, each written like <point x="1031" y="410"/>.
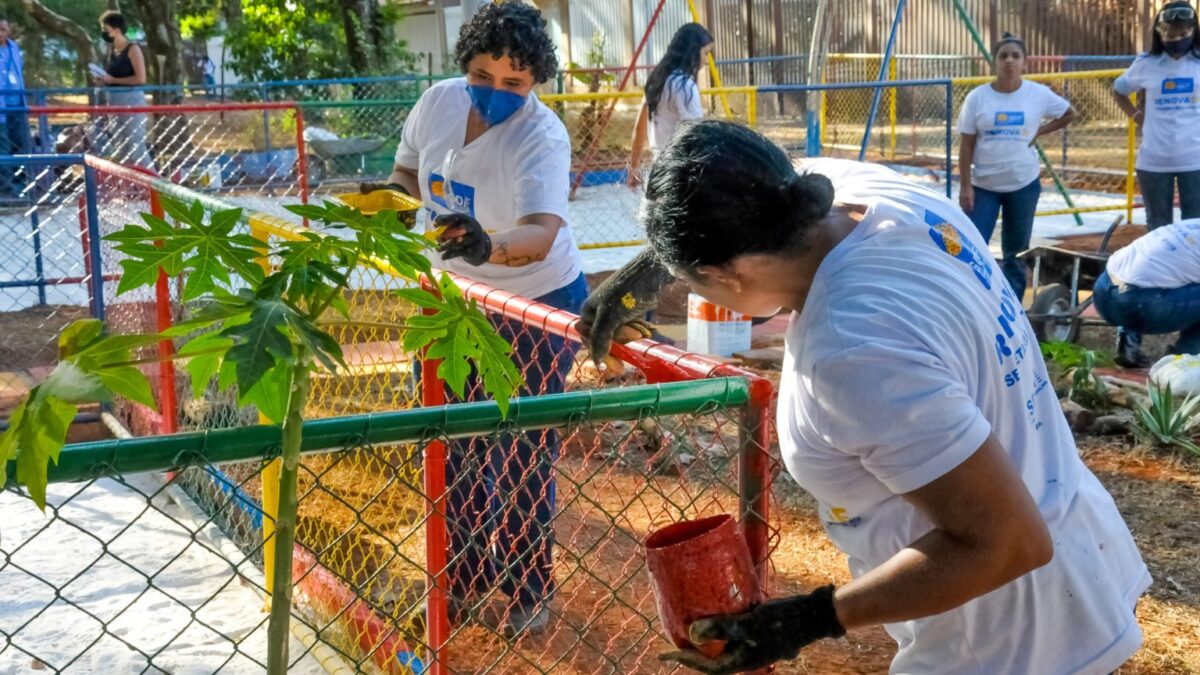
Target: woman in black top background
<point x="124" y="136"/>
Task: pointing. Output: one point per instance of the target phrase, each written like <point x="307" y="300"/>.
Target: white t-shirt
<point x="1166" y="257"/>
<point x="680" y="101"/>
<point x="1171" y="128"/>
<point x="515" y="169"/>
<point x="1004" y="124"/>
<point x="909" y="351"/>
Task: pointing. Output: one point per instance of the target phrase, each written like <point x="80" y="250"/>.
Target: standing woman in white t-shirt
<point x="914" y="405"/>
<point x="491" y="164"/>
<point x="998" y="167"/>
<point x="672" y="94"/>
<point x="1165" y="79"/>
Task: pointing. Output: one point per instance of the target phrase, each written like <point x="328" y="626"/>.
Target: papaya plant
<point x="259" y="330"/>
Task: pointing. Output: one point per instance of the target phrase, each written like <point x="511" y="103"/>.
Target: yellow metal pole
<point x="752" y="108"/>
<point x="1130" y="161"/>
<point x="712" y="65"/>
<point x="892" y="110"/>
<point x="821" y="108"/>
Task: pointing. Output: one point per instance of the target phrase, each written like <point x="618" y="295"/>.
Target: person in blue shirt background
<point x="12" y="82"/>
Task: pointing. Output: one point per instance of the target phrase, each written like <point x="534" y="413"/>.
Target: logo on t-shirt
<point x="1010" y="118"/>
<point x="459" y="198"/>
<point x="952" y="241"/>
<point x="1178" y="85"/>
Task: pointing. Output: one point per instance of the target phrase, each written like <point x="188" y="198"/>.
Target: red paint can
<point x="700" y="568"/>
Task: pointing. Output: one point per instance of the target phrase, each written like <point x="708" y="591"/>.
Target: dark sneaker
<point x="1131" y="357"/>
<point x="522" y="621"/>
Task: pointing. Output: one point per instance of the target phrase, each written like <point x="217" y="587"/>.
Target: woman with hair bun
<point x="914" y="405"/>
<point x="998" y="167"/>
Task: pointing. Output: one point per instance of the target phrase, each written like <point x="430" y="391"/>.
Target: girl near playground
<point x="999" y="172"/>
<point x="1165" y="80"/>
<point x="491" y="165"/>
<point x="672" y="94"/>
<point x="914" y="405"/>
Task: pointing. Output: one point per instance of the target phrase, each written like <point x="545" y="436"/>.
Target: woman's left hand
<point x="463" y="237"/>
<point x="774" y="631"/>
<point x="101" y="80"/>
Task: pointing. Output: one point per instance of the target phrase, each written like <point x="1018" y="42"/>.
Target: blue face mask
<point x="1177" y="47"/>
<point x="495" y="105"/>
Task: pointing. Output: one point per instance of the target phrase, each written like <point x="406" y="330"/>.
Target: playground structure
<point x="680" y="436"/>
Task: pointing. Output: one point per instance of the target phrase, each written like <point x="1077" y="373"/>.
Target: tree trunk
<point x="232" y="10"/>
<point x="162" y="40"/>
<point x="352" y="25"/>
<point x="59" y="25"/>
<point x="376" y="33"/>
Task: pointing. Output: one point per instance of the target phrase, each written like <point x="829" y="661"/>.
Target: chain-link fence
<point x="47" y="253"/>
<point x="129" y="573"/>
<point x="238" y="150"/>
<point x="554" y="515"/>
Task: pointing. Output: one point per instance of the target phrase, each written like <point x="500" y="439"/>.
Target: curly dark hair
<point x="509" y="28"/>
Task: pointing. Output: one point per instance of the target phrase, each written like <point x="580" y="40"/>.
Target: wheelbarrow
<point x="1059" y="275"/>
<point x="340" y="156"/>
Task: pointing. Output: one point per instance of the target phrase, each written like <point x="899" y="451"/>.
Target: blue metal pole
<point x="38" y="266"/>
<point x="93" y="228"/>
<point x="883" y="71"/>
<point x="949" y="139"/>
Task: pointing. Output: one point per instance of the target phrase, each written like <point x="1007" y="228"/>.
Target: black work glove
<point x="368" y="188"/>
<point x="773" y="631"/>
<point x="461" y="236"/>
<point x="623" y="298"/>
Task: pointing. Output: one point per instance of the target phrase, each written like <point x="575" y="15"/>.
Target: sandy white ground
<point x="103" y="553"/>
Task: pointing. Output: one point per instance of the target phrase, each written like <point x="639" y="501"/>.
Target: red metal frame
<point x="437" y="619"/>
<point x="659" y="363"/>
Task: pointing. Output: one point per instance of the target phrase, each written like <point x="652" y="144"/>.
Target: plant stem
<point x="285" y="520"/>
<point x="161" y="359"/>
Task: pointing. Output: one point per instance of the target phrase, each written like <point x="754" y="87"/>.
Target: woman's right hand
<point x="966" y="198"/>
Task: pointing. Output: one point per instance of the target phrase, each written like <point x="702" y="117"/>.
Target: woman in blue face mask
<point x="491" y="165"/>
<point x="1165" y="80"/>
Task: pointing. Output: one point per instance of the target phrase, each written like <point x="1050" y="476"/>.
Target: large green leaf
<point x="270" y="393"/>
<point x="260" y="342"/>
<point x="39" y="440"/>
<point x="205" y="253"/>
<point x="454" y="351"/>
<point x="129" y="382"/>
<point x="77" y="335"/>
<point x="201" y="367"/>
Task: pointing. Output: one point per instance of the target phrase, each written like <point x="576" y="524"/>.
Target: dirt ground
<point x="1159" y="496"/>
<point x="30" y="335"/>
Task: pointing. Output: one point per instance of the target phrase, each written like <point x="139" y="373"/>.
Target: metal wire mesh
<point x="140" y="548"/>
<point x="45" y="274"/>
<point x="364" y="513"/>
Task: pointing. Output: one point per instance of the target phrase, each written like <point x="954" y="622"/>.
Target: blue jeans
<point x="1017" y="227"/>
<point x="12" y="142"/>
<point x="1135" y="311"/>
<point x="500" y="491"/>
<point x="1158" y="194"/>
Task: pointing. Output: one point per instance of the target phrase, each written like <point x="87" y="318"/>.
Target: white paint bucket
<point x="716" y="330"/>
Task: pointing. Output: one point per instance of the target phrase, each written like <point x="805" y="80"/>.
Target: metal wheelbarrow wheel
<point x="1052" y="315"/>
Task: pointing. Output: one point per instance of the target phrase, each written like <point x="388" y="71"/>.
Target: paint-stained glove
<point x="773" y="631"/>
<point x="461" y="236"/>
<point x="368" y="188"/>
<point x="623" y="299"/>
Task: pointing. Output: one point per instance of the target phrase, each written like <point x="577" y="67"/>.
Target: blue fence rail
<point x="94" y="279"/>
